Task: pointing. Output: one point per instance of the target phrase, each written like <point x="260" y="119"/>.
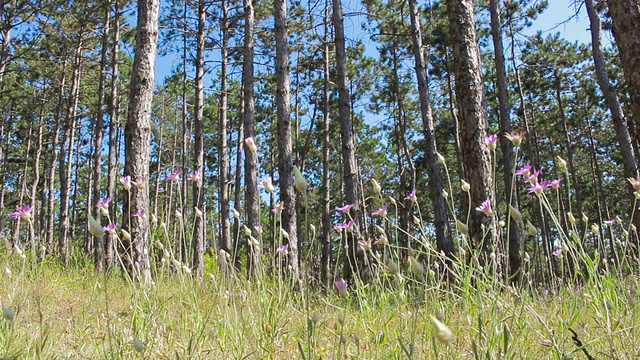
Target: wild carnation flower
<point x="516" y="139"/>
<point x="110" y="228"/>
<point x="524" y="171"/>
<point x="485" y="208"/>
<point x="635" y="183"/>
<point x="259" y="228"/>
<point x="341" y="287"/>
<point x="609" y="222"/>
<point x="23" y="213"/>
<point x="536" y="188"/>
<point x="195" y="176"/>
<point x="557" y="252"/>
<point x="267" y="184"/>
<point x="139" y="213"/>
<point x="126" y="182"/>
<point x="346" y="226"/>
<point x="365" y="245"/>
<point x="345" y="209"/>
<point x="411" y="196"/>
<point x="283" y="250"/>
<point x="491" y="141"/>
<point x="555" y="183"/>
<point x="174" y="176"/>
<point x="103" y="203"/>
<point x="382" y="211"/>
<point x="533" y="179"/>
<point x="278" y="208"/>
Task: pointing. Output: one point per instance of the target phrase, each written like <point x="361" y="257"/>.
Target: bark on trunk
<point x="137" y="137"/>
<point x="198" y="191"/>
<point x="440" y="218"/>
<point x="508" y="154"/>
<point x="223" y="165"/>
<point x="348" y="146"/>
<point x="473" y="124"/>
<point x="283" y="109"/>
<point x="625" y="18"/>
<point x="98" y="246"/>
<point x="113" y="136"/>
<point x="251" y="158"/>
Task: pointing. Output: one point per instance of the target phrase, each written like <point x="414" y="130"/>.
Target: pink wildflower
<point x="381" y="211"/>
<point x="491" y="141"/>
<point x="485" y="208"/>
<point x="341" y="287"/>
<point x="524" y="171"/>
<point x="23" y="213"/>
<point x="345" y="209"/>
<point x="174" y="176"/>
<point x="411" y="195"/>
<point x="103" y="203"/>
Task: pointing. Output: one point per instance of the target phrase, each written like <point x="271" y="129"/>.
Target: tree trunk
<point x="348" y="146"/>
<point x="223" y="165"/>
<point x="325" y="239"/>
<point x="137" y="137"/>
<point x="55" y="135"/>
<point x="251" y="158"/>
<point x="198" y="191"/>
<point x="113" y="136"/>
<point x="283" y="109"/>
<point x="473" y="124"/>
<point x="627" y="151"/>
<point x="625" y="18"/>
<point x="66" y="155"/>
<point x="508" y="156"/>
<point x="98" y="246"/>
<point x="440" y="218"/>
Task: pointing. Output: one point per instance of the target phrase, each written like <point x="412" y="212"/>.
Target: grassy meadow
<point x="52" y="312"/>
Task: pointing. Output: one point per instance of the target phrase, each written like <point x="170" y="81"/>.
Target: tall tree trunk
<point x="473" y="124"/>
<point x="113" y="136"/>
<point x="441" y="221"/>
<point x="627" y="150"/>
<point x="625" y="18"/>
<point x="251" y="158"/>
<point x="508" y="156"/>
<point x="36" y="172"/>
<point x="283" y="109"/>
<point x="137" y="137"/>
<point x="98" y="132"/>
<point x="66" y="156"/>
<point x="348" y="146"/>
<point x="325" y="239"/>
<point x="55" y="135"/>
<point x="223" y="165"/>
<point x="198" y="191"/>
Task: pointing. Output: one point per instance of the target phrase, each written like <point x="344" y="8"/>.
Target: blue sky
<point x="558" y="17"/>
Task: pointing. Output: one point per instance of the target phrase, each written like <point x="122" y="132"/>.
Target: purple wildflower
<point x="174" y="176"/>
<point x="381" y="211"/>
<point x="139" y="212"/>
<point x="345" y="209"/>
<point x="103" y="203"/>
<point x="126" y="182"/>
<point x="485" y="208"/>
<point x="557" y="252"/>
<point x="283" y="250"/>
<point x="110" y="228"/>
<point x="536" y="188"/>
<point x="23" y="213"/>
<point x="341" y="287"/>
<point x="491" y="141"/>
<point x="524" y="171"/>
<point x="346" y="226"/>
<point x="411" y="195"/>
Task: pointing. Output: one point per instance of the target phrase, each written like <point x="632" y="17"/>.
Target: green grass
<point x="75" y="313"/>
